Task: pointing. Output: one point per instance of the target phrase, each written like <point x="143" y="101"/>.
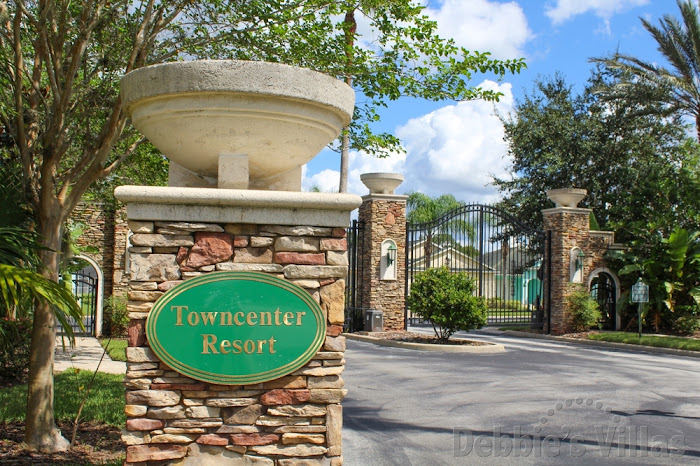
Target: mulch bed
<point x="95" y="444"/>
<point x="411" y="337"/>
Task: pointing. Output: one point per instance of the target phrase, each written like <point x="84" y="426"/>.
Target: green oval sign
<point x="236" y="327"/>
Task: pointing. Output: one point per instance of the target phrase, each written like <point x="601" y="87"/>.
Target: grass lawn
<point x="86" y="300"/>
<point x="116" y="349"/>
<point x="105" y="402"/>
<point x="691" y="344"/>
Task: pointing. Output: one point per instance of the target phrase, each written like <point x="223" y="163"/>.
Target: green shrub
<point x="447" y="300"/>
<point x="686" y="324"/>
<point x="505" y="304"/>
<point x="15" y="341"/>
<point x="584" y="311"/>
<point x="116" y="315"/>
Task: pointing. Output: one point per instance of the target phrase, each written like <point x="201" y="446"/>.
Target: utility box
<point x="374" y="320"/>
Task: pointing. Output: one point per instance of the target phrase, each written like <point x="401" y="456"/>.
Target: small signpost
<point x="640" y="295"/>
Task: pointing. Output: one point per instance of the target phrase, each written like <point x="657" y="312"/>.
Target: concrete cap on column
<point x="381" y="183"/>
<point x="566" y="197"/>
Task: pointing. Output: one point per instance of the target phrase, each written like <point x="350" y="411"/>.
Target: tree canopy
<point x="424" y="209"/>
<point x="639" y="169"/>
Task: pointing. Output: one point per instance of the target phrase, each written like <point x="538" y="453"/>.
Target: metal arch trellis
<point x="505" y="257"/>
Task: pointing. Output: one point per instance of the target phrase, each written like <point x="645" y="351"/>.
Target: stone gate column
<point x="570" y="236"/>
<point x="189" y="232"/>
<point x="237" y="134"/>
<point x="384" y="216"/>
<point x="577" y="253"/>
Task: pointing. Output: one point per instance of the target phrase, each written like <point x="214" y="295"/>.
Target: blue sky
<point x="457" y="148"/>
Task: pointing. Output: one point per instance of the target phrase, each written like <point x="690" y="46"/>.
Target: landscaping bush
<point x="447" y="300"/>
<point x="584" y="311"/>
<point x="686" y="322"/>
<point x="116" y="315"/>
<point x="686" y="325"/>
<point x="505" y="304"/>
<point x="15" y="341"/>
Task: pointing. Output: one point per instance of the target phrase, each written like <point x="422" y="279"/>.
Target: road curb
<point x="607" y="344"/>
<point x="489" y="348"/>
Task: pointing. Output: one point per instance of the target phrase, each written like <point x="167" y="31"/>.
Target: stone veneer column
<point x="183" y="233"/>
<point x="384" y="217"/>
<point x="570" y="228"/>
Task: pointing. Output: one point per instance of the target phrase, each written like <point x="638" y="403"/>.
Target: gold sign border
<point x="224" y="379"/>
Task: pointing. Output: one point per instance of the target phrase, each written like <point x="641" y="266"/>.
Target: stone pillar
<point x="384" y="217"/>
<point x="184" y="233"/>
<point x="574" y="250"/>
<point x="569" y="230"/>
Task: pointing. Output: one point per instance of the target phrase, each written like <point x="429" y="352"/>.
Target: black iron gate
<point x="603" y="290"/>
<point x="354" y="285"/>
<point x="505" y="258"/>
<point x="85" y="291"/>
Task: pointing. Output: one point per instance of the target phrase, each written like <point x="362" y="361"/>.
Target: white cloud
<point x="358" y="163"/>
<point x="326" y="181"/>
<point x="361" y="162"/>
<point x="455" y="149"/>
<point x="563" y="10"/>
<point x="458" y="148"/>
<point x="486" y="26"/>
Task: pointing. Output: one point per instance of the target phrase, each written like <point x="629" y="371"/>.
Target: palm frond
<point x="15" y="282"/>
<point x="679" y="43"/>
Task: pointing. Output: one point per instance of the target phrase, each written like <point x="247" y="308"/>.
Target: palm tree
<point x="428" y="211"/>
<point x="21" y="280"/>
<point x="423" y="208"/>
<point x="679" y="43"/>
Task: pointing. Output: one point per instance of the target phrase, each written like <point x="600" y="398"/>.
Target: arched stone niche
<point x="388" y="262"/>
<point x="576" y="263"/>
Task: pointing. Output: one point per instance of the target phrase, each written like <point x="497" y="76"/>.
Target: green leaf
<point x="630" y="268"/>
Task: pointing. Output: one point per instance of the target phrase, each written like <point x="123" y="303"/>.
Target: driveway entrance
<point x="540" y="402"/>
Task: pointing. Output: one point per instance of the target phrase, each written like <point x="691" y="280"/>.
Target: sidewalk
<point x="85" y="355"/>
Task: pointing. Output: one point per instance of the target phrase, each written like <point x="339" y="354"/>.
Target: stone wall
<point x="104" y="229"/>
<point x="120" y="279"/>
<point x="384" y="217"/>
<point x="599" y="243"/>
<point x="293" y="420"/>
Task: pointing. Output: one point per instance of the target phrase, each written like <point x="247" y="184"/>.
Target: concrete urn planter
<point x="274" y="117"/>
<point x="381" y="183"/>
<point x="566" y="197"/>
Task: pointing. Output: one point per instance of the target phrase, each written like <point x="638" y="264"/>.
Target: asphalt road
<point x="540" y="402"/>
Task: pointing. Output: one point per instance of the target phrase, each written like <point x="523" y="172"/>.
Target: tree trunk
<point x="344" y="154"/>
<point x="350" y="29"/>
<point x="41" y="432"/>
